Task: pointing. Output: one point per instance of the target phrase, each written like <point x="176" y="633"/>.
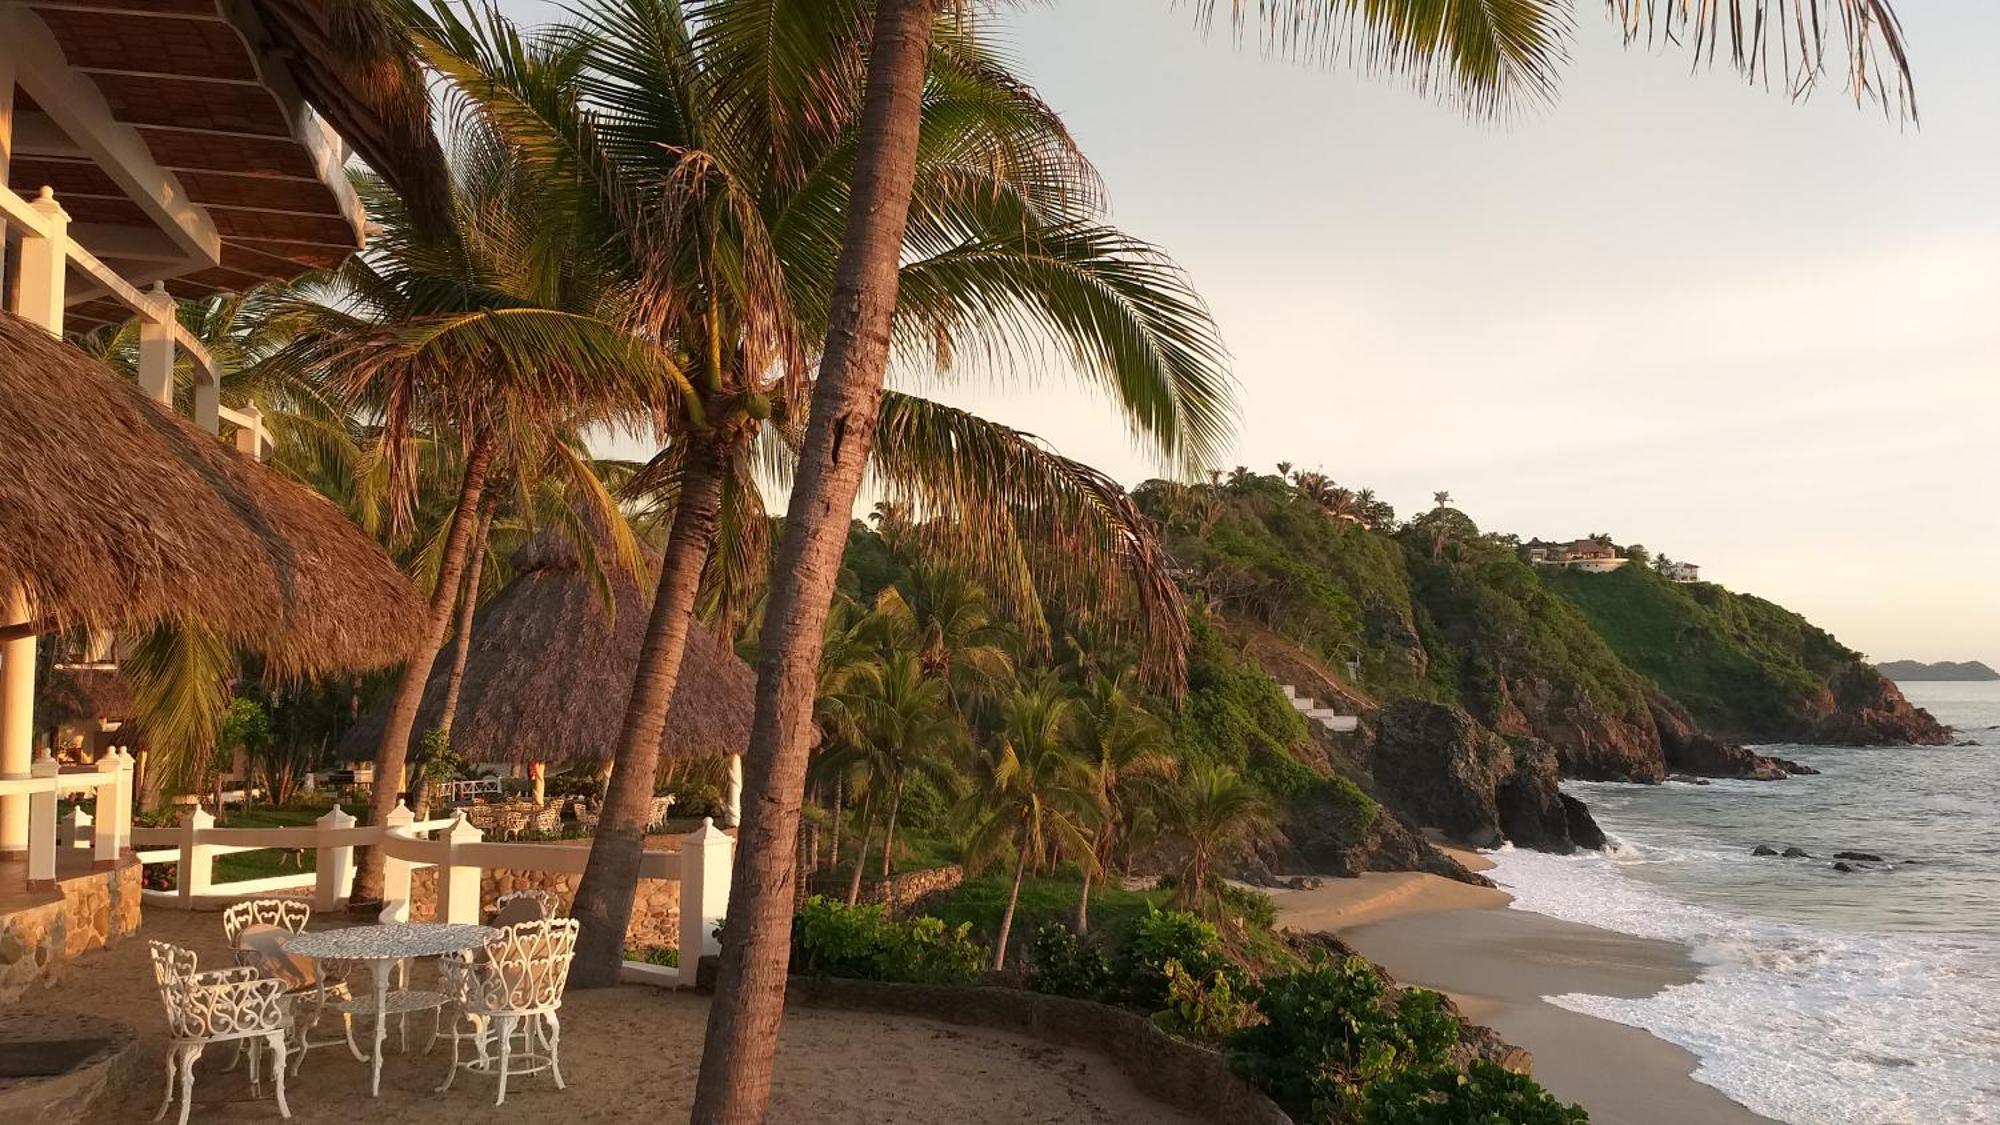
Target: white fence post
<point x="42" y="826"/>
<point x="197" y="862"/>
<point x="706" y="854"/>
<point x="457" y="883"/>
<point x="104" y="836"/>
<point x="333" y="864"/>
<point x="395" y="872"/>
<point x="74" y="829"/>
<point x="122" y="801"/>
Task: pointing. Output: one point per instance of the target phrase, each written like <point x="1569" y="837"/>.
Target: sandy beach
<point x="1498" y="964"/>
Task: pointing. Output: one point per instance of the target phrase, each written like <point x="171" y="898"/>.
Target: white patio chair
<point x="510" y="998"/>
<point x="288" y="914"/>
<point x="220" y="1006"/>
<point x="256" y="931"/>
<point x="531" y="905"/>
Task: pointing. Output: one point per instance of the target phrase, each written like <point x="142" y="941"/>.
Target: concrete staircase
<point x="1333" y="721"/>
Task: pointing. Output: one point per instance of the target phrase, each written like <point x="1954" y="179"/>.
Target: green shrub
<point x="1139" y="968"/>
<point x="1206" y="1009"/>
<point x="655" y="955"/>
<point x="1327" y="1034"/>
<point x="1062" y="964"/>
<point x="861" y="942"/>
<point x="1254" y="907"/>
<point x="1482" y="1094"/>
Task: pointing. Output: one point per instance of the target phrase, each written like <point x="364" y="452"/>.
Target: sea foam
<point x="1809" y="1026"/>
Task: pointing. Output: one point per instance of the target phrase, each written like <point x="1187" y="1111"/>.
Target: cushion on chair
<point x="524" y="909"/>
<point x="266" y="946"/>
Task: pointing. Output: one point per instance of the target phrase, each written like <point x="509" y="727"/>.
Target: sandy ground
<point x="1498" y="964"/>
<point x="629" y="1055"/>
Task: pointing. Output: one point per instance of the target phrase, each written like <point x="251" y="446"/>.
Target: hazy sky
<point x="1757" y="335"/>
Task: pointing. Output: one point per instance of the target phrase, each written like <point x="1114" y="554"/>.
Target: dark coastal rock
<point x="1688" y="779"/>
<point x="1864" y="708"/>
<point x="1315" y="834"/>
<point x="1438" y="765"/>
<point x="1689" y="750"/>
<point x="1860" y="857"/>
<point x="1763" y="849"/>
<point x="1844" y="867"/>
<point x="1583" y="829"/>
<point x="1797" y="853"/>
<point x="1590" y="741"/>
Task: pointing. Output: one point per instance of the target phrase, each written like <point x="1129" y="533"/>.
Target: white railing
<point x="110" y="781"/>
<point x="458" y="852"/>
<point x="465" y="791"/>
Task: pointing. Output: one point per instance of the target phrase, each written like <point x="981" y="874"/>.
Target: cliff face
<point x="1743" y="667"/>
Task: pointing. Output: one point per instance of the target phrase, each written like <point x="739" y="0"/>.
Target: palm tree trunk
<point x="860" y="854"/>
<point x="1007" y="919"/>
<point x="394" y="750"/>
<point x="839" y="815"/>
<point x="468" y="602"/>
<point x="611" y="876"/>
<point x="889" y="847"/>
<point x="734" y="1087"/>
<point x="1083" y="904"/>
<point x="467" y="606"/>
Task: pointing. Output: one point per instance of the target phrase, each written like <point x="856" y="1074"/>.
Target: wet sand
<point x="1498" y="964"/>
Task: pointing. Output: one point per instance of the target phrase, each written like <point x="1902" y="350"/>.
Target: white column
<point x="75" y="829"/>
<point x="732" y="794"/>
<point x="127" y="797"/>
<point x="251" y="440"/>
<point x="197" y="860"/>
<point x="706" y="855"/>
<point x="43" y="266"/>
<point x="458" y="880"/>
<point x="207" y="397"/>
<point x="104" y="834"/>
<point x="395" y="872"/>
<point x="334" y="866"/>
<point x="156" y="347"/>
<point x="42" y="827"/>
<point x="6" y="126"/>
<point x="17" y="724"/>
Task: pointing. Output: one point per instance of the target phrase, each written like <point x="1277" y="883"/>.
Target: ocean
<point x="1828" y="997"/>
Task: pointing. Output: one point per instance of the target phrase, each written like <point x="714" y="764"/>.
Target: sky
<point x="1754" y="334"/>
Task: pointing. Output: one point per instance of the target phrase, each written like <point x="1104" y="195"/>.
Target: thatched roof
<point x="116" y="513"/>
<point x="79" y="694"/>
<point x="549" y="671"/>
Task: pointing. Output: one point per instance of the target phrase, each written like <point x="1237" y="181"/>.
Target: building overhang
<point x="173" y="135"/>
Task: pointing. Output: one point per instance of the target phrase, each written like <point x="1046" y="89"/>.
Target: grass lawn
<point x="266" y="862"/>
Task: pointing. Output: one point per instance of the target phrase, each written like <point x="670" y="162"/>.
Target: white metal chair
<point x="256" y="931"/>
<point x="288" y="914"/>
<point x="220" y="1006"/>
<point x="510" y="996"/>
<point x="531" y="905"/>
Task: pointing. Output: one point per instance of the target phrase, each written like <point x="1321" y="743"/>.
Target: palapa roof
<point x="216" y="92"/>
<point x="549" y="671"/>
<point x="78" y="693"/>
<point x="115" y="513"/>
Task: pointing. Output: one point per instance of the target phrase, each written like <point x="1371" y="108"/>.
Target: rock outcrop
<point x="1436" y="764"/>
<point x="1314" y="835"/>
<point x="1863" y="708"/>
<point x="1692" y="751"/>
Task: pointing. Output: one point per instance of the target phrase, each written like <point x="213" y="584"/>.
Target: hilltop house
<point x="1590" y="555"/>
<point x="1680" y="572"/>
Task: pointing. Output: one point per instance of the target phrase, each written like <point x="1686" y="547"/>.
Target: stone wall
<point x="656" y="908"/>
<point x="93" y="910"/>
<point x="1177" y="1072"/>
<point x="910" y="886"/>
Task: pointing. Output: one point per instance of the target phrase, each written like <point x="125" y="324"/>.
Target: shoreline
<point x="1497" y="964"/>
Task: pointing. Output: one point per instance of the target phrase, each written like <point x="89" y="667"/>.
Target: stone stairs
<point x="1333" y="721"/>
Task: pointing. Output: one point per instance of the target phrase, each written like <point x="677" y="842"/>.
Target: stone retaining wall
<point x="1177" y="1072"/>
<point x="656" y="908"/>
<point x="94" y="910"/>
<point x="910" y="887"/>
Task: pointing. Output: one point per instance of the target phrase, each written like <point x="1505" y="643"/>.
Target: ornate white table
<point x="383" y="948"/>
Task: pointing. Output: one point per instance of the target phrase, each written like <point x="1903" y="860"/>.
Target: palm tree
<point x="1123" y="744"/>
<point x="681" y="131"/>
<point x="1211" y="811"/>
<point x="1488" y="56"/>
<point x="1032" y="793"/>
<point x="502" y="334"/>
<point x="1441" y="499"/>
<point x="945" y="621"/>
<point x="907" y="729"/>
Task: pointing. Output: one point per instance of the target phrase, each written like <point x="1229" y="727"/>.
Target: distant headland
<point x="1939" y="670"/>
